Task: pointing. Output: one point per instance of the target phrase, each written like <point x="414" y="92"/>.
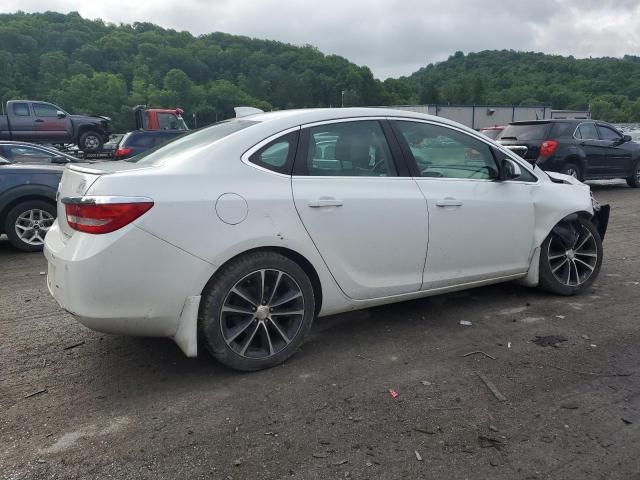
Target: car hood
<point x="562" y="178"/>
<point x="94" y="118"/>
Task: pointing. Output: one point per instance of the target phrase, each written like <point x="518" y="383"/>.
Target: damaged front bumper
<point x="600" y="217"/>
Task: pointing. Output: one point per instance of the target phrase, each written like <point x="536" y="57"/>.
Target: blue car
<point x="28" y="202"/>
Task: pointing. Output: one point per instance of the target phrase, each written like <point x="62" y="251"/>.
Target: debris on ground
<point x="492" y="388"/>
<point x="43" y="273"/>
<point x="626" y="422"/>
<point x="418" y="456"/>
<point x="480" y="352"/>
<point x="561" y="317"/>
<point x="549" y="340"/>
<point x="493" y="428"/>
<point x="74" y="345"/>
<point x="425" y="383"/>
<point x="44" y="390"/>
<point x="490" y="442"/>
<point x="320" y="455"/>
<point x="531" y="319"/>
<point x="366" y="358"/>
<point x="427" y="430"/>
<point x="237" y="463"/>
<point x="341" y="462"/>
<point x="393" y="393"/>
<point x="465" y="323"/>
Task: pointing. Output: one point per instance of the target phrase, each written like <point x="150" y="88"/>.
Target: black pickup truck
<point x="42" y="122"/>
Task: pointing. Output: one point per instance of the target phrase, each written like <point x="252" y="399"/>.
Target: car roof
<point x="37" y="145"/>
<point x="304" y="116"/>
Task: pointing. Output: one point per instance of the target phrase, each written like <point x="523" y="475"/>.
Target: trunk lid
<point x="76" y="181"/>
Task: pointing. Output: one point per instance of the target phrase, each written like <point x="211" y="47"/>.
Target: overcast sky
<point x="392" y="37"/>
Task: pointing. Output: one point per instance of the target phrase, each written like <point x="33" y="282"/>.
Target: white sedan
<point x="238" y="235"/>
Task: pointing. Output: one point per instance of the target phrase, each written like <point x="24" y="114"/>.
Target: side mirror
<point x="627" y="138"/>
<point x="59" y="159"/>
<point x="60" y="114"/>
<point x="510" y="170"/>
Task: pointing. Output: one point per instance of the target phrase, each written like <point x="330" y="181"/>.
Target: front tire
<point x="256" y="312"/>
<point x="90" y="141"/>
<point x="634" y="180"/>
<point x="570" y="257"/>
<point x="27" y="224"/>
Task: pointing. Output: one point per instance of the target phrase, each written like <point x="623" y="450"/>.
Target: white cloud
<point x="392" y="37"/>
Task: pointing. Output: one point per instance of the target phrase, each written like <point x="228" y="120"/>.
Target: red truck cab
<point x="159" y="118"/>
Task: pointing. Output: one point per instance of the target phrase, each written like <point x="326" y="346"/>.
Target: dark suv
<point x="585" y="149"/>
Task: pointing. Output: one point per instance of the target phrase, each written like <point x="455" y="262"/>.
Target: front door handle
<point x="39" y="120"/>
<point x="449" y="202"/>
<point x="325" y="202"/>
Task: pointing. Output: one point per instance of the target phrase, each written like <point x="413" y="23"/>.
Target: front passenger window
<point x="442" y="152"/>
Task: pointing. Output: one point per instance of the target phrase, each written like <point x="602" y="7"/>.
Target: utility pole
<point x="342" y="98"/>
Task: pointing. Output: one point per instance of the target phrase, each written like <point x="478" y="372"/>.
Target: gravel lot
<point x="114" y="407"/>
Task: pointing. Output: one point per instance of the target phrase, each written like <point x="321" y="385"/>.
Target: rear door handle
<point x="325" y="202"/>
<point x="449" y="202"/>
<point x="38" y="120"/>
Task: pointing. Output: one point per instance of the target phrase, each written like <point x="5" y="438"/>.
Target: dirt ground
<point x="79" y="404"/>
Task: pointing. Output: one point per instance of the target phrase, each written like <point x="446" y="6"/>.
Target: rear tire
<point x="27" y="224"/>
<point x="634" y="180"/>
<point x="256" y="312"/>
<point x="90" y="141"/>
<point x="572" y="170"/>
<point x="569" y="266"/>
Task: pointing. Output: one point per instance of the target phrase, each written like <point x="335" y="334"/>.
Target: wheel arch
<point x="21" y="196"/>
<point x="578" y="160"/>
<point x="300" y="259"/>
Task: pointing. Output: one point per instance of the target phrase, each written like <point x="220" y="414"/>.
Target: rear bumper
<point x="127" y="282"/>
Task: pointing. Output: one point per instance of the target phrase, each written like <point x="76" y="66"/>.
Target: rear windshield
<point x="525" y="131"/>
<point x="195" y="139"/>
<point x="492" y="134"/>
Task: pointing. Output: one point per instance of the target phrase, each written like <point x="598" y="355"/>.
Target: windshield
<point x="525" y="131"/>
<point x="195" y="139"/>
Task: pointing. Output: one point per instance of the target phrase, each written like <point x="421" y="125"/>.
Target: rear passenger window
<point x="349" y="149"/>
<point x="21" y="109"/>
<point x="277" y="155"/>
<point x="587" y="131"/>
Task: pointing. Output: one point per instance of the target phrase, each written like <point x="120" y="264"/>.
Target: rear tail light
<point x="548" y="147"/>
<point x="99" y="215"/>
<point x="122" y="152"/>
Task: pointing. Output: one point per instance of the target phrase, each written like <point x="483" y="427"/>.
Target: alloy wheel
<point x="573" y="266"/>
<point x="32" y="225"/>
<point x="262" y="314"/>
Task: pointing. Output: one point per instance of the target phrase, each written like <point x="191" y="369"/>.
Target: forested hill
<point x="89" y="66"/>
<point x="92" y="67"/>
<point x="610" y="86"/>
